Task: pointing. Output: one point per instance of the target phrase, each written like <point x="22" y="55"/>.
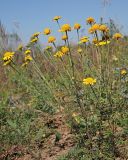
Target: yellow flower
<point x="77" y="26"/>
<point x="117" y="36"/>
<point x="20" y="47"/>
<point x="28" y="58"/>
<point x="65" y="28"/>
<point x="64" y="37"/>
<point x="48" y="48"/>
<point x="123" y="72"/>
<point x="35" y="35"/>
<point x="28" y="51"/>
<point x="56" y="18"/>
<point x="64" y="49"/>
<point x="94" y="40"/>
<point x="8" y="57"/>
<point x="90" y="20"/>
<point x="89" y="81"/>
<point x="94" y="28"/>
<point x="51" y="39"/>
<point x="101" y="43"/>
<point x="84" y="39"/>
<point x="7" y="62"/>
<point x="34" y="40"/>
<point x="47" y="31"/>
<point x="58" y="54"/>
<point x="79" y="50"/>
<point x="103" y="28"/>
<point x="25" y="64"/>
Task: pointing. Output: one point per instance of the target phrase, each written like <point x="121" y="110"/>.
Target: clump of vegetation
<point x="86" y="83"/>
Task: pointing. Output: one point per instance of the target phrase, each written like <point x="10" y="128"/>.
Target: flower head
<point x="56" y="18"/>
<point x="65" y="28"/>
<point x="51" y="39"/>
<point x="35" y="35"/>
<point x="8" y="57"/>
<point x="101" y="43"/>
<point x="48" y="48"/>
<point x="64" y="37"/>
<point x="89" y="81"/>
<point x="58" y="54"/>
<point x="28" y="58"/>
<point x="84" y="39"/>
<point x="117" y="36"/>
<point x="34" y="40"/>
<point x="77" y="26"/>
<point x="47" y="31"/>
<point x="95" y="40"/>
<point x="64" y="49"/>
<point x="94" y="28"/>
<point x="28" y="51"/>
<point x="90" y="20"/>
<point x="79" y="50"/>
<point x="103" y="28"/>
<point x="20" y="47"/>
<point x="123" y="72"/>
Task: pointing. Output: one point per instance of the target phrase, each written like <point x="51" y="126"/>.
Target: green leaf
<point x="12" y="124"/>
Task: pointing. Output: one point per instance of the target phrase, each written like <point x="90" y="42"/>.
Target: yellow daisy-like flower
<point x="84" y="39"/>
<point x="48" y="48"/>
<point x="56" y="18"/>
<point x="89" y="81"/>
<point x="117" y="36"/>
<point x="77" y="26"/>
<point x="123" y="72"/>
<point x="59" y="54"/>
<point x="101" y="43"/>
<point x="34" y="40"/>
<point x="28" y="58"/>
<point x="65" y="28"/>
<point x="94" y="40"/>
<point x="79" y="50"/>
<point x="64" y="37"/>
<point x="51" y="39"/>
<point x="47" y="31"/>
<point x="103" y="28"/>
<point x="25" y="64"/>
<point x="94" y="28"/>
<point x="8" y="57"/>
<point x="20" y="47"/>
<point x="35" y="35"/>
<point x="64" y="49"/>
<point x="90" y="20"/>
<point x="28" y="51"/>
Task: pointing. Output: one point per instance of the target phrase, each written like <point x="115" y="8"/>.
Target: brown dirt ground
<point x="51" y="148"/>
